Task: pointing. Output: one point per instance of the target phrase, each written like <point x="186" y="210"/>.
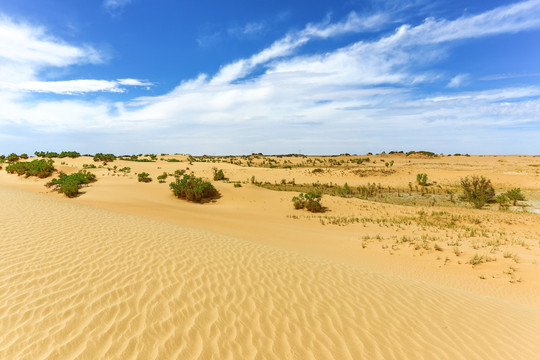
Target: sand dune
<point x="77" y="281"/>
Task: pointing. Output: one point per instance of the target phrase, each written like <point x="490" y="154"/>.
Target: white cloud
<point x="134" y="82"/>
<point x="65" y="87"/>
<point x="290" y="42"/>
<point x="25" y="50"/>
<point x="356" y="98"/>
<point x="458" y="81"/>
<point x="115" y="4"/>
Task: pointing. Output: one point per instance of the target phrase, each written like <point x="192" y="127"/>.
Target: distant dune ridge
<point x="78" y="281"/>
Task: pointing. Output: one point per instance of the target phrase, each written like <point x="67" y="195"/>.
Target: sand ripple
<point x="81" y="282"/>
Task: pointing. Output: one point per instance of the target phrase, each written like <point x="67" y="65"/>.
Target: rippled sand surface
<point x="80" y="282"/>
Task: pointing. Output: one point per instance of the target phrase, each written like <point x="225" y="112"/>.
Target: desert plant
<point x="310" y="200"/>
<point x="218" y="174"/>
<point x="70" y="184"/>
<point x="161" y="178"/>
<point x="345" y="190"/>
<point x="12" y="157"/>
<point x="104" y="157"/>
<point x="421" y="179"/>
<point x="477" y="259"/>
<point x="478" y="190"/>
<point x="178" y="173"/>
<point x="514" y="195"/>
<point x="193" y="188"/>
<point x="503" y="201"/>
<point x="144" y="177"/>
<point x="41" y="168"/>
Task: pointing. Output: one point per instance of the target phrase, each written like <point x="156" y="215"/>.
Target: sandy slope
<point x="81" y="282"/>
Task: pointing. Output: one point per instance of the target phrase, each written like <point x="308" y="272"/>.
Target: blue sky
<point x="235" y="77"/>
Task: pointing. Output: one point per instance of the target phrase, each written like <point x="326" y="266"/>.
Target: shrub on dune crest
<point x="40" y="168"/>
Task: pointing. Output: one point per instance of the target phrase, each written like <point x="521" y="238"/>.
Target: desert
<point x="125" y="269"/>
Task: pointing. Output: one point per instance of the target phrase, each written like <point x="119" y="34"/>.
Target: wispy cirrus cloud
<point x="115" y="5"/>
<point x="288" y="44"/>
<point x="458" y="80"/>
<point x="73" y="87"/>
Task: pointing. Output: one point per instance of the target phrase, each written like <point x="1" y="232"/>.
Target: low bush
<point x="144" y="177"/>
<point x="126" y="170"/>
<point x="503" y="201"/>
<point x="63" y="154"/>
<point x="12" y="157"/>
<point x="310" y="201"/>
<point x="161" y="178"/>
<point x="218" y="174"/>
<point x="70" y="184"/>
<point x="344" y="191"/>
<point x="514" y="195"/>
<point x="104" y="157"/>
<point x="477" y="190"/>
<point x="421" y="179"/>
<point x="193" y="189"/>
<point x="40" y="168"/>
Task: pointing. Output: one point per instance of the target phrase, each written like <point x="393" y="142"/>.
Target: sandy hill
<point x="128" y="271"/>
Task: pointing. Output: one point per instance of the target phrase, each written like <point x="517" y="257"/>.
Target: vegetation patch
<point x="310" y="201"/>
<point x="104" y="157"/>
<point x="218" y="174"/>
<point x="41" y="168"/>
<point x="70" y="184"/>
<point x="144" y="177"/>
<point x="478" y="191"/>
<point x="193" y="188"/>
<point x="52" y="154"/>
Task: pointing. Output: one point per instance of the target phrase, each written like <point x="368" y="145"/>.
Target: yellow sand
<point x="128" y="271"/>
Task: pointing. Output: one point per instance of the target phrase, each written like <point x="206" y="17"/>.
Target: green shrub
<point x="70" y="184"/>
<point x="144" y="177"/>
<point x="173" y="160"/>
<point x="344" y="191"/>
<point x="503" y="201"/>
<point x="12" y="157"/>
<point x="477" y="190"/>
<point x="161" y="178"/>
<point x="310" y="200"/>
<point x="514" y="195"/>
<point x="193" y="188"/>
<point x="421" y="179"/>
<point x="63" y="154"/>
<point x="178" y="173"/>
<point x="104" y="157"/>
<point x="218" y="174"/>
<point x="126" y="170"/>
<point x="41" y="168"/>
